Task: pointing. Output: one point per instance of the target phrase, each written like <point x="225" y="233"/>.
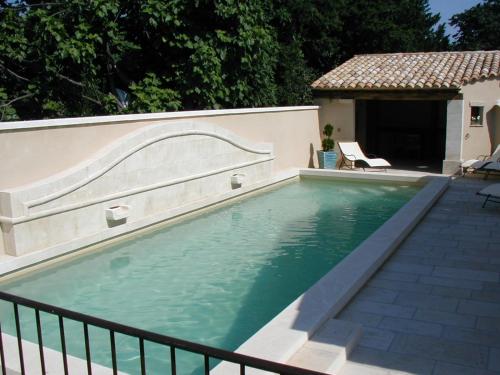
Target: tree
<point x="383" y="26"/>
<point x="308" y="34"/>
<point x="478" y="27"/>
<point x="90" y="57"/>
<point x="81" y="57"/>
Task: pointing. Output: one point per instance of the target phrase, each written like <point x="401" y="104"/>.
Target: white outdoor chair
<point x="479" y="164"/>
<point x="351" y="152"/>
<point x="492" y="193"/>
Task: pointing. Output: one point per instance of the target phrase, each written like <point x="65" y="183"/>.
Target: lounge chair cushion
<point x="353" y="152"/>
<point x="492" y="166"/>
<point x="475" y="164"/>
<point x="492" y="190"/>
<point x="378" y="162"/>
<point x="479" y="164"/>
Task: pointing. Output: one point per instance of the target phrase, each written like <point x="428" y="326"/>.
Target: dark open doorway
<point x="410" y="134"/>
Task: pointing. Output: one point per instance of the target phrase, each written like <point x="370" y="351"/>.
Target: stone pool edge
<point x="287" y="332"/>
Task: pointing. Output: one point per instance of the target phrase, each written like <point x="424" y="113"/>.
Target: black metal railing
<point x="175" y="344"/>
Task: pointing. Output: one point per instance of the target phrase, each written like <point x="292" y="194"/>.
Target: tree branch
<point x="2" y="65"/>
<point x="70" y="80"/>
<point x="79" y="84"/>
<point x="16" y="99"/>
<point x="92" y="100"/>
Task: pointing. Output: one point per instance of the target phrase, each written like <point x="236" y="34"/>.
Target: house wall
<point x="33" y="150"/>
<point x="339" y="113"/>
<point x="481" y="140"/>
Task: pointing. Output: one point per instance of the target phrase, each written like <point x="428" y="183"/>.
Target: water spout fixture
<point x="237" y="179"/>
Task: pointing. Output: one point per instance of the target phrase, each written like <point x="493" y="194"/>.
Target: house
<point x="429" y="109"/>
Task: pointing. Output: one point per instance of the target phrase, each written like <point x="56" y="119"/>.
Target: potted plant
<point x="327" y="158"/>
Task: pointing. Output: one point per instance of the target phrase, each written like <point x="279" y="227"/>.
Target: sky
<point x="448" y="8"/>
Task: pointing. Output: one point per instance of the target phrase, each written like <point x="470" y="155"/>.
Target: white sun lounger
<point x="492" y="193"/>
<point x="352" y="152"/>
<point x="492" y="167"/>
<point x="478" y="164"/>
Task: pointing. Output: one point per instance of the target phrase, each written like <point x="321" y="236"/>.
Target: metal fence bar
<point x="207" y="365"/>
<point x="87" y="348"/>
<point x="40" y="340"/>
<point x="112" y="327"/>
<point x="63" y="345"/>
<point x="143" y="361"/>
<point x="19" y="338"/>
<point x="113" y="352"/>
<point x="2" y="355"/>
<point x="173" y="365"/>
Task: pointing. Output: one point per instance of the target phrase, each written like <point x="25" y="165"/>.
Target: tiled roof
<point x="424" y="70"/>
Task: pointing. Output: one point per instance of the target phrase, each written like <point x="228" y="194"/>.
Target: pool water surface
<point x="215" y="278"/>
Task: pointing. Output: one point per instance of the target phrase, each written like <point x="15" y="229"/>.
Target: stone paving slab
<point x="376" y="338"/>
<point x="494" y="363"/>
<point x="445" y="291"/>
<point x="385" y="309"/>
<point x="427" y="301"/>
<point x="445" y="368"/>
<point x="400" y="286"/>
<point x="411" y="326"/>
<point x="392" y="360"/>
<point x="434" y="306"/>
<point x="441" y="349"/>
<point x="446" y="318"/>
<point x="479" y="308"/>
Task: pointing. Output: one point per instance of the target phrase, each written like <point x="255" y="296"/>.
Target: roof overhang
<point x="387" y="94"/>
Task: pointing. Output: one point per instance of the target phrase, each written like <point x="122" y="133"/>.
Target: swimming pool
<point x="216" y="278"/>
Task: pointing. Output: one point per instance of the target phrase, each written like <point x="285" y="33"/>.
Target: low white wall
<point x="33" y="150"/>
<point x="148" y="173"/>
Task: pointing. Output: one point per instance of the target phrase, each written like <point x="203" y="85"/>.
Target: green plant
<point x="328" y="143"/>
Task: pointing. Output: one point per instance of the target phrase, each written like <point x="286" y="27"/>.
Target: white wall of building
<point x="339" y="113"/>
<point x="481" y="139"/>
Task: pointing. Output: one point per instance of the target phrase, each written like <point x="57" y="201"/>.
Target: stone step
<point x="327" y="350"/>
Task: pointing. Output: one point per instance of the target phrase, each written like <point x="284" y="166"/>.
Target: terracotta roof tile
<point x="448" y="70"/>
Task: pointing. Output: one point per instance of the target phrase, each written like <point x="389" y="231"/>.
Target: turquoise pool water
<point x="215" y="278"/>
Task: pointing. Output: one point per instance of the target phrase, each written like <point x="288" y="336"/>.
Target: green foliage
<point x="293" y="76"/>
<point x="328" y="143"/>
<point x="380" y="26"/>
<point x="7" y="112"/>
<point x="78" y="57"/>
<point x="479" y="27"/>
<point x="151" y="95"/>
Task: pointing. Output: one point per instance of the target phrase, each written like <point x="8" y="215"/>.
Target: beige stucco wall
<point x="481" y="140"/>
<point x="30" y="154"/>
<point x="339" y="113"/>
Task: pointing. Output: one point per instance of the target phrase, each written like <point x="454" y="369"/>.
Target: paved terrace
<point x="434" y="307"/>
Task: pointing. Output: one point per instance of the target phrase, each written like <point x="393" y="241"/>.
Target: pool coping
<point x="53" y="363"/>
<point x="287" y="332"/>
